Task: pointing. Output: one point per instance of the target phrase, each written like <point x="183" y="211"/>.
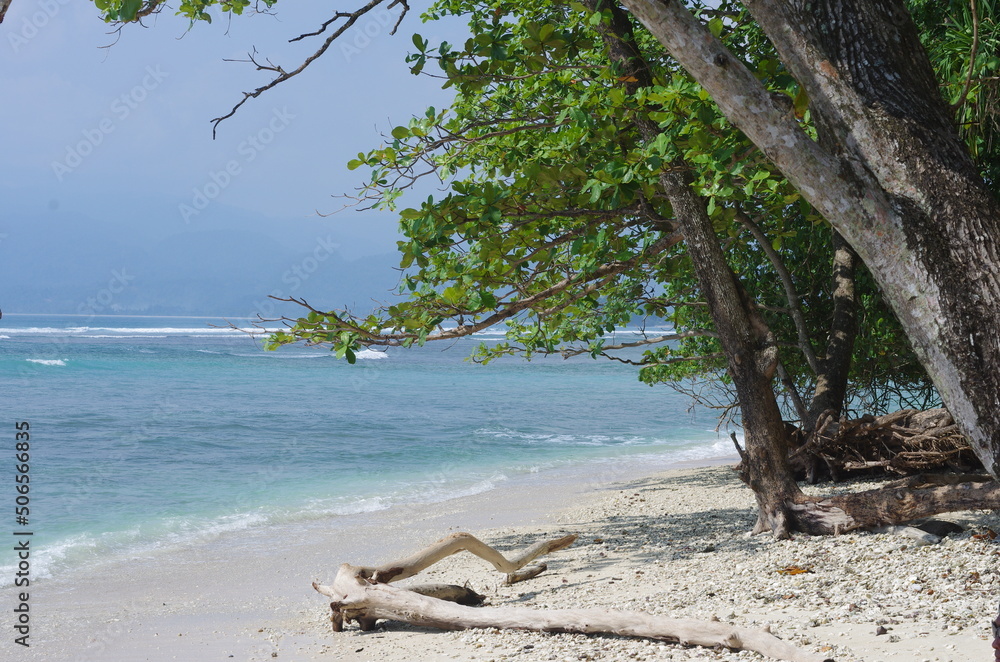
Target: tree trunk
<point x="910" y="499"/>
<point x="902" y="189"/>
<point x="835" y="366"/>
<point x="746" y="340"/>
<point x="752" y="359"/>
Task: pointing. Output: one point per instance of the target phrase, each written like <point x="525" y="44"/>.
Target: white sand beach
<point x="676" y="544"/>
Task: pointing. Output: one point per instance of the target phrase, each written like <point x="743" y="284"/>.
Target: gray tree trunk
<point x="900" y="187"/>
<point x="835" y="365"/>
<point x="748" y="343"/>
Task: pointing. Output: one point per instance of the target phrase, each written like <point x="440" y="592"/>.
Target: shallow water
<point x="149" y="433"/>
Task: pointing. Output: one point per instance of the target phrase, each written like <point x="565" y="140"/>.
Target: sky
<point x="106" y="140"/>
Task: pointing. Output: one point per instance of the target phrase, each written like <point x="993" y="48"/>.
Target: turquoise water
<point x="156" y="432"/>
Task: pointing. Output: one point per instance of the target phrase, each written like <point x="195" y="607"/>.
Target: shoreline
<point x="55" y="557"/>
<point x="647" y="543"/>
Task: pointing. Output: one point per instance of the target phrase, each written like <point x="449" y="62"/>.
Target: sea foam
<point x="59" y="362"/>
<point x="137" y="332"/>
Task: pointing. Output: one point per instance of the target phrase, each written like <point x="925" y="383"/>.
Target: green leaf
<point x="715" y="26"/>
<point x="129" y="9"/>
<point x="801" y="103"/>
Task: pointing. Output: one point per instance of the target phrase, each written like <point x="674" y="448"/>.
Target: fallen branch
<point x="901" y="443"/>
<point x="459" y="542"/>
<point x="362" y="594"/>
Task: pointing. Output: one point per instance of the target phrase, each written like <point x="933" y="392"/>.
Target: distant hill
<point x="226" y="263"/>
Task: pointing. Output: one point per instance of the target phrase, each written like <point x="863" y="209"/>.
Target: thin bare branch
<point x="793" y="392"/>
<point x="794" y="305"/>
<point x="350" y="19"/>
<point x="675" y="359"/>
<point x="694" y="333"/>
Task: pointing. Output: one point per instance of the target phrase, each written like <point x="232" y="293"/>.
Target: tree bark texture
<point x="913" y="498"/>
<point x="900" y="186"/>
<point x="835" y="366"/>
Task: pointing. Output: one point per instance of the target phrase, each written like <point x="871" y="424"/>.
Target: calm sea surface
<point x="148" y="433"/>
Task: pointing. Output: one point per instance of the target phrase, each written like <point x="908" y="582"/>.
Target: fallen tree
<point x="363" y="594"/>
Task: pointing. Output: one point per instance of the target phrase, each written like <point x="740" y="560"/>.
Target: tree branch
<point x="675" y="359"/>
<point x="368" y="337"/>
<point x="972" y="55"/>
<point x="351" y="19"/>
<point x="855" y="210"/>
<point x="794" y="305"/>
<point x="694" y="333"/>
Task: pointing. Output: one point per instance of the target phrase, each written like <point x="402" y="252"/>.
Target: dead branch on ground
<point x="363" y="594"/>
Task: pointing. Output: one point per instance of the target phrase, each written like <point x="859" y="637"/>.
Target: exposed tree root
<point x="902" y="501"/>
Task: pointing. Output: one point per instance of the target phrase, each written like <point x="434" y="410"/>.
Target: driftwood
<point x="902" y="443"/>
<point x="363" y="594"/>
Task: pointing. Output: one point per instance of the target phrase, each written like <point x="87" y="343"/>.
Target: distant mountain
<point x="227" y="263"/>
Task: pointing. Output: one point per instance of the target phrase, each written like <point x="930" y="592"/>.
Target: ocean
<point x="153" y="433"/>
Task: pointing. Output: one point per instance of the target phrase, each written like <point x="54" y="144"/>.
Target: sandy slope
<point x="672" y="544"/>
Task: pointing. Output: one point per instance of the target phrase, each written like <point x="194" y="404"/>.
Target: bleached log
<point x="526" y="573"/>
<point x="356" y="596"/>
<point x="362" y="594"/>
<point x="458" y="542"/>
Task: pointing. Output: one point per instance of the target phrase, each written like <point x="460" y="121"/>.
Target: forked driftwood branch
<point x="363" y="594"/>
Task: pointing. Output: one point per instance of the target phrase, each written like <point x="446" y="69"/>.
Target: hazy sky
<point x="123" y="133"/>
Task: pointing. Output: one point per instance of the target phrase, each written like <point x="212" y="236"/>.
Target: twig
<point x="352" y="18"/>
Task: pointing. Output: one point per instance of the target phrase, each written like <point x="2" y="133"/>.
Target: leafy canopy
<point x="553" y="224"/>
<point x="127" y="11"/>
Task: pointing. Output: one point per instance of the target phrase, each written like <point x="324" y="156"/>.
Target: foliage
<point x="125" y="11"/>
<point x="949" y="33"/>
<point x="554" y="224"/>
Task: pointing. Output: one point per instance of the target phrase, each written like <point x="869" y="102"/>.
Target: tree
<point x="576" y="247"/>
<point x="882" y="161"/>
<point x="898" y="182"/>
<point x="909" y="216"/>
